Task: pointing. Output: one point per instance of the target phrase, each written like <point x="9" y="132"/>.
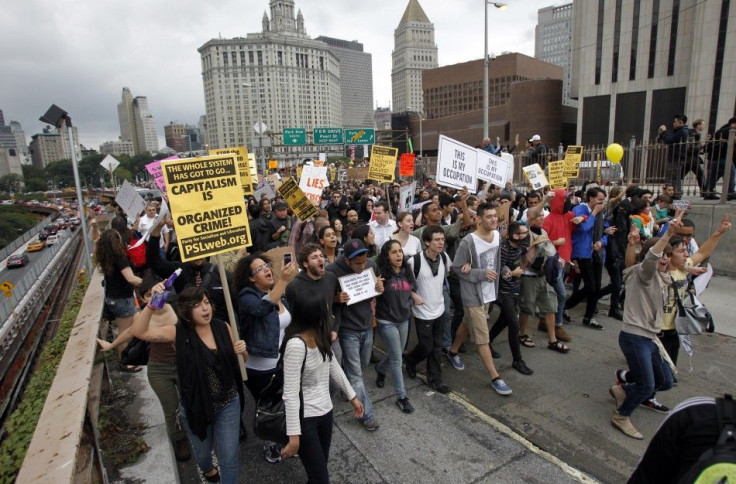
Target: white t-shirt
<point x="264" y="364"/>
<point x="487" y="255"/>
<point x="413" y="246"/>
<point x="430" y="288"/>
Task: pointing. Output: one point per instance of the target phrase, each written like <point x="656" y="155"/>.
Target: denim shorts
<point x="120" y="308"/>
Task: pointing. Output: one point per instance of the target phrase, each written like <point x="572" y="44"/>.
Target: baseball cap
<point x="354" y="248"/>
<point x="536" y="137"/>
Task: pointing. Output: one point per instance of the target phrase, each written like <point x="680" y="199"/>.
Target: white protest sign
<point x="492" y="168"/>
<point x="130" y="200"/>
<point x="456" y="164"/>
<point x="360" y="286"/>
<point x="313" y="181"/>
<point x="536" y="177"/>
<point x="264" y="189"/>
<point x="510" y="167"/>
<point x="406" y="197"/>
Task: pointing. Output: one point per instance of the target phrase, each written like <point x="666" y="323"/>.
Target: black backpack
<point x="418" y="263"/>
<point x="718" y="464"/>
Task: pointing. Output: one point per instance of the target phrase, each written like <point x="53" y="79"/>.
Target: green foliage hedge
<point x="22" y="422"/>
<point x="14" y="221"/>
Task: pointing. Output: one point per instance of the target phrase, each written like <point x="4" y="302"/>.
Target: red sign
<point x="406" y="164"/>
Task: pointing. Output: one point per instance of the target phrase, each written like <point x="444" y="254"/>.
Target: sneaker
<point x="371" y="424"/>
<point x="592" y="323"/>
<point x="619" y="394"/>
<point x="273" y="453"/>
<point x="380" y="379"/>
<point x="404" y="405"/>
<point x="624" y="425"/>
<point x="440" y="388"/>
<point x="615" y="314"/>
<point x="182" y="452"/>
<point x="621" y="377"/>
<point x="566" y="317"/>
<point x="500" y="386"/>
<point x="653" y="404"/>
<point x="494" y="353"/>
<point x="457" y="363"/>
<point x="521" y="367"/>
<point x="562" y="335"/>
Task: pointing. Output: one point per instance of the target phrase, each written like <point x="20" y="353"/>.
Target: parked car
<point x="52" y="239"/>
<point x="36" y="246"/>
<point x="17" y="260"/>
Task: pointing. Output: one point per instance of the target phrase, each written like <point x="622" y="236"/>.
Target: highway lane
<point x="16" y="274"/>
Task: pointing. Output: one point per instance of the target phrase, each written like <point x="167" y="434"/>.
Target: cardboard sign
<point x="573" y="156"/>
<point x="502" y="211"/>
<point x="130" y="200"/>
<point x="456" y="164"/>
<point x="557" y="174"/>
<point x="253" y="168"/>
<point x="406" y="197"/>
<point x="406" y="164"/>
<point x="297" y="200"/>
<point x="264" y="189"/>
<point x="241" y="156"/>
<point x="360" y="286"/>
<point x="383" y="163"/>
<point x="207" y="205"/>
<point x="358" y="173"/>
<point x="492" y="168"/>
<point x="313" y="181"/>
<point x="535" y="175"/>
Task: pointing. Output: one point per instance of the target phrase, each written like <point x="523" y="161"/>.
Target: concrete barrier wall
<point x="707" y="218"/>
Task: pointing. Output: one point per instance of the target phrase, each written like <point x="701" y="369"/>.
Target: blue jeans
<point x="561" y="292"/>
<point x="395" y="335"/>
<point x="225" y="432"/>
<point x="356" y="355"/>
<point x="649" y="369"/>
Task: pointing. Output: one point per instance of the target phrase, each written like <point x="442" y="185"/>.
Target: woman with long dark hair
<point x="263" y="315"/>
<point x="209" y="377"/>
<point x="120" y="281"/>
<point x="393" y="310"/>
<point x="309" y="366"/>
<point x="366" y="210"/>
<point x="364" y="233"/>
<point x="328" y="242"/>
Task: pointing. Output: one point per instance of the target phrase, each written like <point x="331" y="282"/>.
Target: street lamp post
<point x="500" y="6"/>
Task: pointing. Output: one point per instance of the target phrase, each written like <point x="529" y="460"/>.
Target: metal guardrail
<point x="28" y="235"/>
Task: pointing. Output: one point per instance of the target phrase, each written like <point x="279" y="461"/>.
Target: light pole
<point x="500" y="6"/>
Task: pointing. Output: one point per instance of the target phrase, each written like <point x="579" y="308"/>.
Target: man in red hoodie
<point x="559" y="225"/>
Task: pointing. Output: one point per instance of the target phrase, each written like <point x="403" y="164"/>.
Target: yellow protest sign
<point x="535" y="175"/>
<point x="273" y="164"/>
<point x="556" y="174"/>
<point x="206" y="201"/>
<point x="573" y="157"/>
<point x="296" y="199"/>
<point x="241" y="156"/>
<point x="299" y="172"/>
<point x="383" y="163"/>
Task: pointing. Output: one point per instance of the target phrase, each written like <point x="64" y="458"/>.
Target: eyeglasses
<point x="260" y="269"/>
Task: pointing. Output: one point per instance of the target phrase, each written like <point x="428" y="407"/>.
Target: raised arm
<point x="709" y="245"/>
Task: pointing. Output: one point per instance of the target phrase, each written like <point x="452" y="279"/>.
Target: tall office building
<point x="356" y="81"/>
<point x="8" y="138"/>
<point x="116" y="148"/>
<point x="279" y="76"/>
<point x="414" y="51"/>
<point x="553" y="42"/>
<point x="176" y="136"/>
<point x="638" y="63"/>
<point x="45" y="148"/>
<point x="68" y="145"/>
<point x="137" y="124"/>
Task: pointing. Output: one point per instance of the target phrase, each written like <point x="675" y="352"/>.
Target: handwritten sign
<point x="406" y="197"/>
<point x="241" y="156"/>
<point x="406" y="164"/>
<point x="535" y="175"/>
<point x="130" y="200"/>
<point x="313" y="181"/>
<point x="360" y="173"/>
<point x="502" y="212"/>
<point x="207" y="205"/>
<point x="492" y="168"/>
<point x="382" y="163"/>
<point x="557" y="174"/>
<point x="456" y="164"/>
<point x="297" y="200"/>
<point x="573" y="156"/>
<point x="359" y="286"/>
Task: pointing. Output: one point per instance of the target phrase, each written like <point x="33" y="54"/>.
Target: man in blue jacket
<point x="583" y="247"/>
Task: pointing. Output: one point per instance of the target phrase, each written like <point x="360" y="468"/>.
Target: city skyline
<point x="82" y="61"/>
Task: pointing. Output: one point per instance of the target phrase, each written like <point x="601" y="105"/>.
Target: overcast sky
<point x="79" y="54"/>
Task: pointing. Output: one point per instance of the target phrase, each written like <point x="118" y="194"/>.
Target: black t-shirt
<point x="115" y="284"/>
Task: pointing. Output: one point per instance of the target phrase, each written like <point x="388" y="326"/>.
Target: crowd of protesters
<point x="439" y="268"/>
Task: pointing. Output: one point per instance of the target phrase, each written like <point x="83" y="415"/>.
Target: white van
<point x="52" y="239"/>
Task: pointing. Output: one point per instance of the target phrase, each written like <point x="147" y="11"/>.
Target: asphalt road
<point x="16" y="274"/>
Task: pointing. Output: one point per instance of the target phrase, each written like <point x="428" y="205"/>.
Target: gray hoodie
<point x="471" y="289"/>
<point x="646" y="294"/>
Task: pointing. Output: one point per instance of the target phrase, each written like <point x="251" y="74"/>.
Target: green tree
<point x="35" y="179"/>
<point x="60" y="173"/>
<point x="11" y="182"/>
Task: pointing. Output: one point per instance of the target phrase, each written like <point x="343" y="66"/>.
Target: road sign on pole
<point x="109" y="163"/>
<point x="328" y="136"/>
<point x="295" y="136"/>
<point x="360" y="136"/>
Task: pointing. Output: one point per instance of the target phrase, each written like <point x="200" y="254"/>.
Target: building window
<point x="634" y="40"/>
<point x="616" y="41"/>
<point x="653" y="38"/>
<point x="673" y="37"/>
